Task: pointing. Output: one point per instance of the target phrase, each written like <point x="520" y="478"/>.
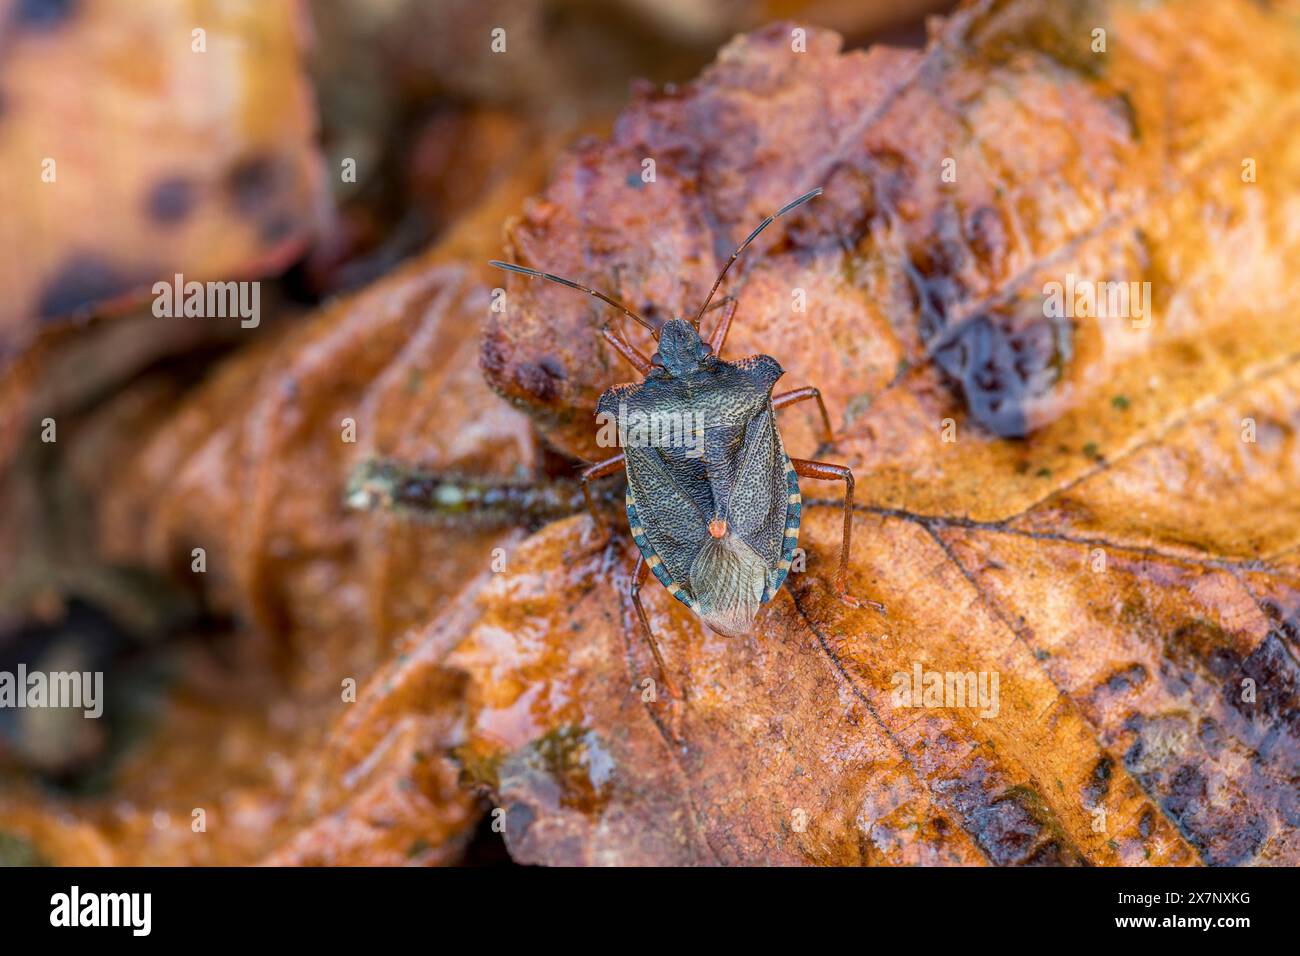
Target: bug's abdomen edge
<point x="793" y="513"/>
<point x="652" y="559"/>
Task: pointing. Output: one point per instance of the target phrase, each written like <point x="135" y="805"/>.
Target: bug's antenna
<point x="752" y="236"/>
<point x="511" y="267"/>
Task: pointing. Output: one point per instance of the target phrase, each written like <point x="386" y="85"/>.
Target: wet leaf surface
<point x="1099" y="537"/>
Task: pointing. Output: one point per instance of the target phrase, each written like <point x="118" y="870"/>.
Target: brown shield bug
<point x="712" y="498"/>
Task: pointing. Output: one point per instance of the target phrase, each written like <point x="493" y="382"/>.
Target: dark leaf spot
<point x="1094" y="792"/>
<point x="276" y="228"/>
<point x="1201" y="642"/>
<point x="251" y="183"/>
<point x="1004" y="371"/>
<point x="539" y="380"/>
<point x="1146" y="823"/>
<point x="1277" y="690"/>
<point x="43" y="14"/>
<point x="82" y="281"/>
<point x="171" y="199"/>
<point x="519" y="817"/>
<point x="1126" y="678"/>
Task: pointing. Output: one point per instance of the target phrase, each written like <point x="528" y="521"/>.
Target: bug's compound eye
<point x="656" y="361"/>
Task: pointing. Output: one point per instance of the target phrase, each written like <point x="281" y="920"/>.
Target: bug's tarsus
<point x="634" y="591"/>
<point x="610" y="300"/>
<point x="830" y="472"/>
<point x="811" y="194"/>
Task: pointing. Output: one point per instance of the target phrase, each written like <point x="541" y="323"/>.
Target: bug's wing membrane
<point x="675" y="528"/>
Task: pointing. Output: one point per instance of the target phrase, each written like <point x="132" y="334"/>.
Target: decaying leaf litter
<point x="1120" y="691"/>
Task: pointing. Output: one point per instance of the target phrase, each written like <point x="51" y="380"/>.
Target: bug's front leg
<point x="630" y="352"/>
<point x="719" y="337"/>
<point x="638" y="578"/>
<point x="786" y="399"/>
<point x="589" y="474"/>
<point x="828" y="472"/>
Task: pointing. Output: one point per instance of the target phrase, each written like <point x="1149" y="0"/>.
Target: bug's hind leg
<point x="786" y="399"/>
<point x="589" y="474"/>
<point x="828" y="472"/>
<point x="638" y="578"/>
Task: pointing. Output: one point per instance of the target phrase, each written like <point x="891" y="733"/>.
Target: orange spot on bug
<point x="717" y="527"/>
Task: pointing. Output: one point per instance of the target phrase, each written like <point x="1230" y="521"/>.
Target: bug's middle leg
<point x="638" y="578"/>
<point x="828" y="472"/>
<point x="786" y="399"/>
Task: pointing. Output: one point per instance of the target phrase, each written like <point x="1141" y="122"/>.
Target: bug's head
<point x="681" y="350"/>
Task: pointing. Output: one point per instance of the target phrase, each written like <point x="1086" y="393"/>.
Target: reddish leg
<point x="626" y="349"/>
<point x="638" y="578"/>
<point x="803" y="394"/>
<point x="598" y="470"/>
<point x="828" y="472"/>
<point x="719" y="336"/>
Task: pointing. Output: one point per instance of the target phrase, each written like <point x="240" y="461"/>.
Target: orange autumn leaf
<point x="114" y="180"/>
<point x="1100" y="548"/>
<point x="1099" y="511"/>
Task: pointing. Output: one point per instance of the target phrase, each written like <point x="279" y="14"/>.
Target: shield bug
<point x="712" y="498"/>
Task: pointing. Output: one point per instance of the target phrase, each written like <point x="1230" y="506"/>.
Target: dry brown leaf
<point x="1120" y="690"/>
<point x="131" y="157"/>
<point x="165" y="159"/>
<point x="253" y="468"/>
<point x="1128" y="569"/>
